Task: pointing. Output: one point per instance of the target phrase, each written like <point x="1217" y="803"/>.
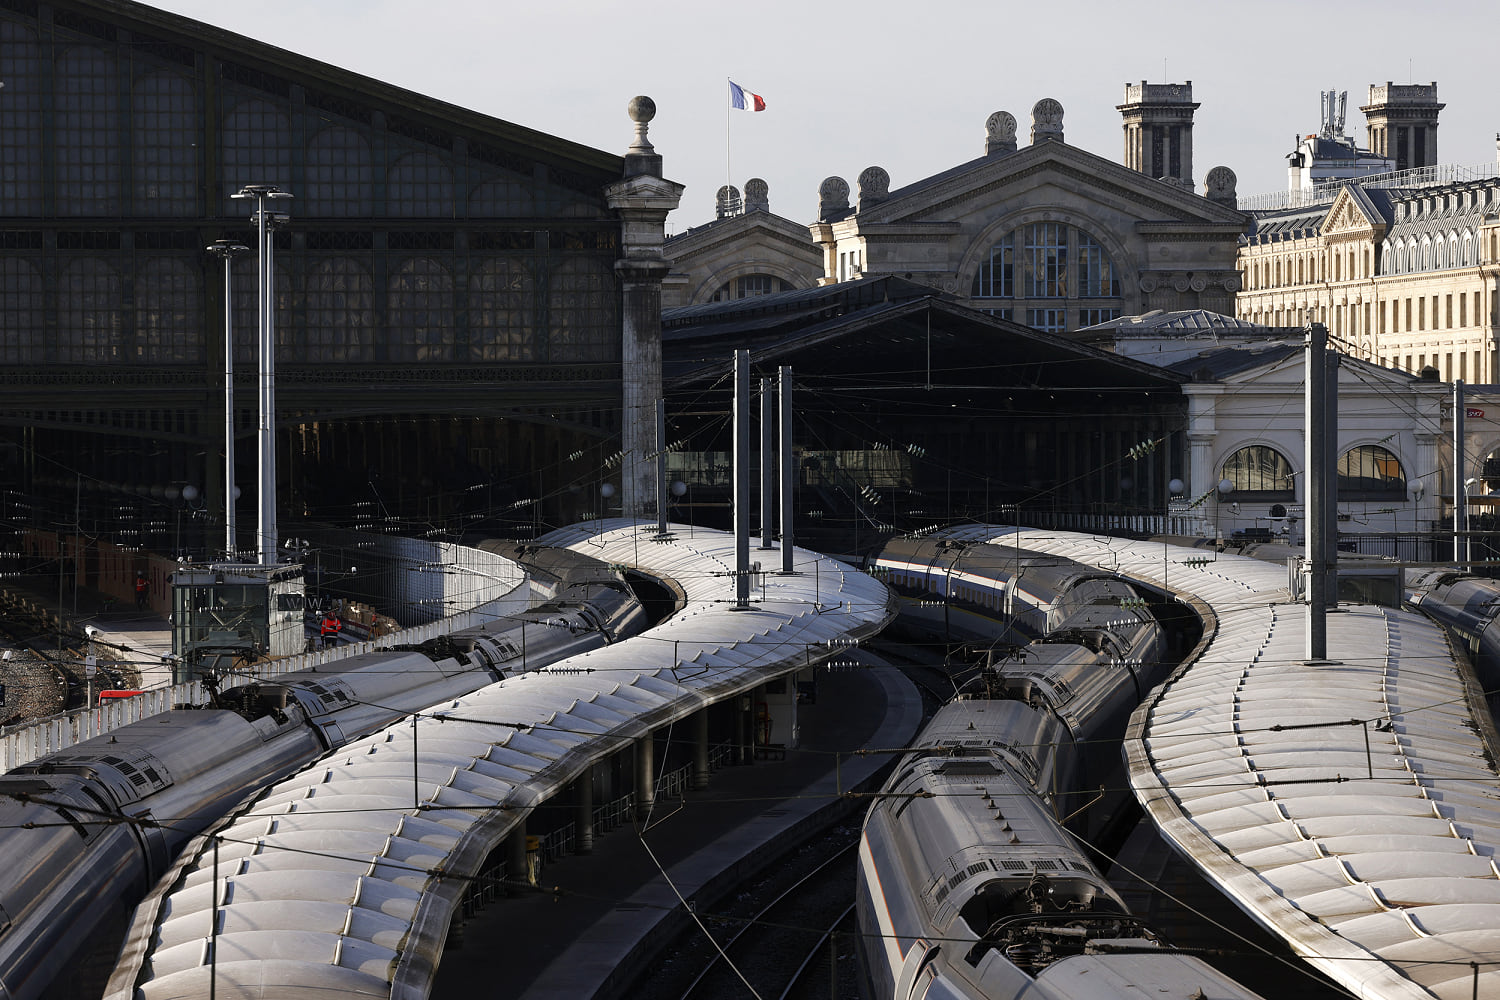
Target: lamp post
<point x="1225" y="487"/>
<point x="227" y="250"/>
<point x="90" y="663"/>
<point x="266" y="311"/>
<point x="679" y="490"/>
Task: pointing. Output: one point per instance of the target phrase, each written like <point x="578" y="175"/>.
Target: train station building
<point x="448" y="302"/>
<point x="466" y="311"/>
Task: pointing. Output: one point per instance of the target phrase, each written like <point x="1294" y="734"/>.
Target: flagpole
<point x="728" y="113"/>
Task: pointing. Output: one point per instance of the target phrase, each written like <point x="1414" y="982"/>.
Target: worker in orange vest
<point x="142" y="591"/>
<point x="332" y="626"/>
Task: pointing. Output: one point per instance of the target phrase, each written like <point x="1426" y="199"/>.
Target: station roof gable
<point x="895" y="332"/>
<point x="148" y="24"/>
<point x="989" y="177"/>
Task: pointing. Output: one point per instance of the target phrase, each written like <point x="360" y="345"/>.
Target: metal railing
<point x="675" y="784"/>
<point x="614" y="813"/>
<point x="1325" y="192"/>
<point x="559" y="842"/>
<point x="25" y="743"/>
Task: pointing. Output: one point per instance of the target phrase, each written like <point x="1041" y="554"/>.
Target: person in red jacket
<point x="142" y="591"/>
<point x="330" y="629"/>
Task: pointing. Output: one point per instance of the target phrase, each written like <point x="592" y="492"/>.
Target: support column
<point x="741" y="714"/>
<point x="700" y="748"/>
<point x="583" y="820"/>
<point x="643" y="199"/>
<point x="515" y="860"/>
<point x="767" y="464"/>
<point x="645" y="779"/>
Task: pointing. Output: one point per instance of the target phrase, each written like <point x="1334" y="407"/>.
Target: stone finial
<point x="1000" y="134"/>
<point x="728" y="202"/>
<point x="1219" y="186"/>
<point x="641" y="158"/>
<point x="833" y="198"/>
<point x="642" y="110"/>
<point x="1046" y="121"/>
<point x="757" y="195"/>
<point x="874" y="186"/>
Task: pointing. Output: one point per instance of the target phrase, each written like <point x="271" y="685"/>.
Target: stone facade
<point x="1402" y="122"/>
<point x="1048" y="235"/>
<point x="1406" y="276"/>
<point x="1384" y="418"/>
<point x="747" y="250"/>
<point x="1159" y="130"/>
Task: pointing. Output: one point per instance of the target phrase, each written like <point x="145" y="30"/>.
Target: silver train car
<point x="960" y="591"/>
<point x="969" y="887"/>
<point x="98" y="823"/>
<point x="970" y="883"/>
<point x="1467" y="606"/>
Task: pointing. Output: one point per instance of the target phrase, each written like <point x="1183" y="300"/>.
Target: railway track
<point x="770" y="937"/>
<point x="767" y="955"/>
<point x="936" y="675"/>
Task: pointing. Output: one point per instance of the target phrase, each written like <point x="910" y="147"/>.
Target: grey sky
<point x="906" y="86"/>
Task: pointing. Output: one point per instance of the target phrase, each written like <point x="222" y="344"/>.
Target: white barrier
<point x="23" y="744"/>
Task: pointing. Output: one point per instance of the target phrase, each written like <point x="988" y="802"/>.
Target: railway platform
<point x="600" y="918"/>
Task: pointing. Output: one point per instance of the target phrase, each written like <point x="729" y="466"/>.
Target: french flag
<point x="737" y="95"/>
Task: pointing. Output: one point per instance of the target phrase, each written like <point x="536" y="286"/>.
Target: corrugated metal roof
<point x="1352" y="807"/>
<point x="341" y="880"/>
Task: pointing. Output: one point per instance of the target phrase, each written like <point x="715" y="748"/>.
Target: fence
<point x="25" y="743"/>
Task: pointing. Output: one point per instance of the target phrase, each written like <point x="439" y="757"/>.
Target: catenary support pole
<point x="788" y="470"/>
<point x="1313" y="493"/>
<point x="741" y="480"/>
<point x="1460" y="473"/>
<point x="767" y="464"/>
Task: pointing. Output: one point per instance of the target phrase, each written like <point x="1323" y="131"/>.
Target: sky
<point x="904" y="86"/>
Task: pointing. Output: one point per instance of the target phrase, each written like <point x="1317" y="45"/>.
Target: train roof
<point x="1352" y="807"/>
<point x="346" y="875"/>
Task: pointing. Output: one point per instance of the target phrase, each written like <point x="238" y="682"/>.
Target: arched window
<point x="747" y="285"/>
<point x="419" y="312"/>
<point x="340" y="175"/>
<point x="420" y="185"/>
<point x="995" y="278"/>
<point x="1370" y="472"/>
<point x="1067" y="274"/>
<point x="341" y="325"/>
<point x="1259" y="473"/>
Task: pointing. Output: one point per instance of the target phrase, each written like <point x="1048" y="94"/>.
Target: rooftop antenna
<point x="1334" y="104"/>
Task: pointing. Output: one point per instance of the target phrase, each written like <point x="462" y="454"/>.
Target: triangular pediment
<point x="749" y="229"/>
<point x="1278" y="365"/>
<point x="1352" y="211"/>
<point x="1076" y="172"/>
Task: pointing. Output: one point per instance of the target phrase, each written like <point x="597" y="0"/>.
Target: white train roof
<point x="1351" y="807"/>
<point x="340" y="881"/>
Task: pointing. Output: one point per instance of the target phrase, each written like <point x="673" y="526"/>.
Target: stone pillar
<point x="1202" y="476"/>
<point x="643" y="199"/>
<point x="645" y="778"/>
<point x="741" y="713"/>
<point x="515" y="860"/>
<point x="700" y="748"/>
<point x="583" y="819"/>
<point x="1158" y="122"/>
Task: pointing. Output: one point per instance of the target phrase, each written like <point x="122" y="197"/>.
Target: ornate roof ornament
<point x="833" y="197"/>
<point x="874" y="186"/>
<point x="1000" y="134"/>
<point x="1046" y="121"/>
<point x="728" y="202"/>
<point x="757" y="195"/>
